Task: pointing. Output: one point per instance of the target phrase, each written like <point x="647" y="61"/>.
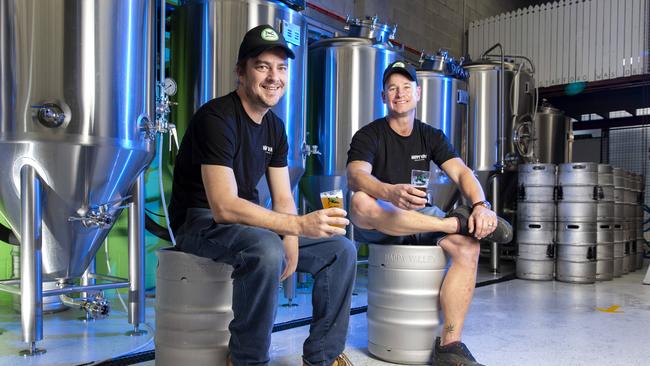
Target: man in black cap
<point x="387" y="209"/>
<point x="230" y="143"/>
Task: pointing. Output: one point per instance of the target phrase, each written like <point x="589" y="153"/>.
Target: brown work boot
<point x="341" y="360"/>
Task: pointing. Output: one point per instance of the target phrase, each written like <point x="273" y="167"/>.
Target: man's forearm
<point x="283" y="221"/>
<point x="367" y="183"/>
<point x="470" y="187"/>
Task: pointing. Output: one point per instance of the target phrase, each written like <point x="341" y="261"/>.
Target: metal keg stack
<point x="619" y="229"/>
<point x="640" y="246"/>
<point x="577" y="197"/>
<point x="628" y="224"/>
<point x="536" y="222"/>
<point x="605" y="224"/>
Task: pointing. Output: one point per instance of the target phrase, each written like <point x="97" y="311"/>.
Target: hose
<point x="162" y="192"/>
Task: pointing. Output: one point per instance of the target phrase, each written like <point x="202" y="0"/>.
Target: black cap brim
<point x="257" y="51"/>
<point x="398" y="71"/>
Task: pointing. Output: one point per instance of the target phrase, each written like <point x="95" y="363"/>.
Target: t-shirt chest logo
<point x="421" y="157"/>
<point x="267" y="149"/>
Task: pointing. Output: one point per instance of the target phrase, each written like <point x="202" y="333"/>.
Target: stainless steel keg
<point x="403" y="307"/>
<point x="536" y="250"/>
<point x="605" y="251"/>
<point x="193" y="310"/>
<point x="576" y="252"/>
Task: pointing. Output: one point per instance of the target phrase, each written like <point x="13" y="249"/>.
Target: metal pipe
<point x="108" y="278"/>
<point x="161" y="51"/>
<point x="67" y="290"/>
<point x="10" y="289"/>
<point x="530" y="62"/>
<point x="31" y="283"/>
<point x="11" y="282"/>
<point x="495" y="264"/>
<point x="136" y="257"/>
<point x="87" y="279"/>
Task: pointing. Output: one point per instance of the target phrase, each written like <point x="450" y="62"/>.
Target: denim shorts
<point x="429" y="238"/>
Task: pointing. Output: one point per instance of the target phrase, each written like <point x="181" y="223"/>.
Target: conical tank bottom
<point x="78" y="180"/>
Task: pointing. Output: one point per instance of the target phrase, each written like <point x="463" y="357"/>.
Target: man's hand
<point x="318" y="224"/>
<point x="291" y="255"/>
<point x="407" y="197"/>
<point x="482" y="222"/>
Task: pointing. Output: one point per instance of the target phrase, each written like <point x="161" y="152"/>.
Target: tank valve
<point x="50" y="115"/>
<point x="95" y="306"/>
<point x="161" y="125"/>
<point x="102" y="215"/>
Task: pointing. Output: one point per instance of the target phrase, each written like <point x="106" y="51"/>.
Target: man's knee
<point x="463" y="249"/>
<point x="346" y="252"/>
<point x="363" y="210"/>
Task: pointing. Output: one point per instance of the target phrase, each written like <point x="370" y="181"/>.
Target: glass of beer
<point x="420" y="179"/>
<point x="331" y="199"/>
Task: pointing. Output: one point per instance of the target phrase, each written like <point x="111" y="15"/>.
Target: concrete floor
<point x="515" y="322"/>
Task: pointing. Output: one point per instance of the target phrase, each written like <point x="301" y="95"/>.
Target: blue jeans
<point x="257" y="256"/>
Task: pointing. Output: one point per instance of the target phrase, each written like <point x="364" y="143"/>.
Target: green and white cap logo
<point x="269" y="34"/>
<point x="399" y="64"/>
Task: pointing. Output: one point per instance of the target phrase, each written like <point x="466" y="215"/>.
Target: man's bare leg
<point x="369" y="213"/>
<point x="458" y="287"/>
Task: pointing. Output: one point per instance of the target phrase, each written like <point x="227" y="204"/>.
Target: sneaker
<point x="502" y="234"/>
<point x="341" y="360"/>
<point x="452" y="354"/>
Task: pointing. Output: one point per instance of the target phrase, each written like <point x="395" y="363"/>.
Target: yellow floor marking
<point x="611" y="309"/>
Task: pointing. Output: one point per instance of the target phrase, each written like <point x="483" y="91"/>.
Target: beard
<point x="259" y="96"/>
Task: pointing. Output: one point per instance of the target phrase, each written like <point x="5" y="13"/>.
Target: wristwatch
<point x="485" y="204"/>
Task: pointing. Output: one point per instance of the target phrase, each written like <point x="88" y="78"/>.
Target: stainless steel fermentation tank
<point x="76" y="84"/>
<point x="553" y="133"/>
<point x="503" y="100"/>
<point x="344" y="91"/>
<point x="205" y="39"/>
<point x="443" y="105"/>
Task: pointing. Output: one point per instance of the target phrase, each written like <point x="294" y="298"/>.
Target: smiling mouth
<point x="271" y="87"/>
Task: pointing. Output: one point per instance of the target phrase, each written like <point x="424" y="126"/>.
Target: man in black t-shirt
<point x="387" y="209"/>
<point x="230" y="143"/>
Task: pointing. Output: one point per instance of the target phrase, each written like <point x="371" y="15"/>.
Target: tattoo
<point x="449" y="328"/>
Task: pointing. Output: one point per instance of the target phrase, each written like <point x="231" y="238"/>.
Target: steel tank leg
<point x="86" y="280"/>
<point x="136" y="258"/>
<point x="31" y="282"/>
<point x="495" y="264"/>
<point x="289" y="285"/>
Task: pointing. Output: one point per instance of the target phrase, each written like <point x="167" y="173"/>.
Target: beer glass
<point x="331" y="199"/>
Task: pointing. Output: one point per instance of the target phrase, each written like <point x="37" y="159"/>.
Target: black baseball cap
<point x="260" y="39"/>
<point x="401" y="67"/>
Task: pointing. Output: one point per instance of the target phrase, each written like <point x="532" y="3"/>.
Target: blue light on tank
<point x="291" y="122"/>
<point x="329" y="118"/>
<point x="207" y="62"/>
<point x="123" y="127"/>
<point x="445" y="101"/>
<point x="387" y="60"/>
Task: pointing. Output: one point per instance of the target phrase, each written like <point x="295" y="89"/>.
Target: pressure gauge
<point x="170" y="86"/>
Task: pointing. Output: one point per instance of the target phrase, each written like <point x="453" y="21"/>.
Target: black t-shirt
<point x="222" y="133"/>
<point x="394" y="156"/>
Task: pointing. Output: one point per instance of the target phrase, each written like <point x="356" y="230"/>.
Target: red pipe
<point x="326" y="12"/>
